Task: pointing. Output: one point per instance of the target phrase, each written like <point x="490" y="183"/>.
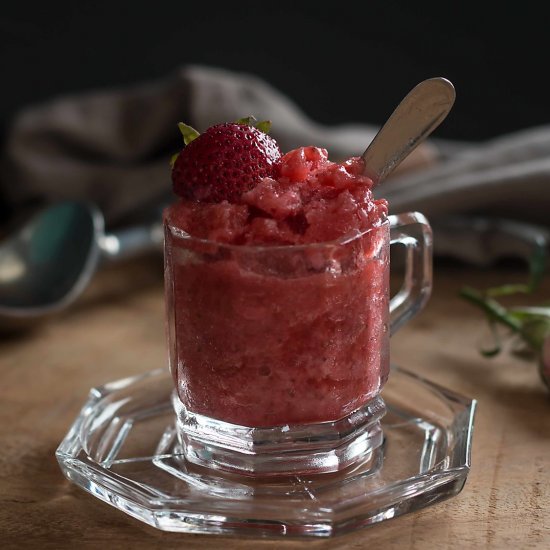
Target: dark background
<point x="342" y="63"/>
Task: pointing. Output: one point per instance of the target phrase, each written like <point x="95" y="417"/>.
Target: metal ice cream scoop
<point x="47" y="263"/>
<point x="414" y="119"/>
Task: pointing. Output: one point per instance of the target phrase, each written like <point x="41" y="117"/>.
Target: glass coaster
<point x="123" y="449"/>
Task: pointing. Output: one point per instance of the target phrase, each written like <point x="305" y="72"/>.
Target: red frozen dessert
<point x="276" y="281"/>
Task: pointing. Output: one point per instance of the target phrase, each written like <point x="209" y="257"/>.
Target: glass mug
<point x="279" y="353"/>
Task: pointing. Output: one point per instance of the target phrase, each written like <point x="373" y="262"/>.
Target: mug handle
<point x="411" y="230"/>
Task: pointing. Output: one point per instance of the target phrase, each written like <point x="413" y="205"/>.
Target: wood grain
<point x="117" y="329"/>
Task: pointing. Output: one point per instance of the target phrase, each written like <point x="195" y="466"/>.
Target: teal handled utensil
<point x="49" y="261"/>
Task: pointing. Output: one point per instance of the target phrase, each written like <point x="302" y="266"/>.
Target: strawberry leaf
<point x="173" y="159"/>
<point x="264" y="126"/>
<point x="188" y="132"/>
<point x="249" y="120"/>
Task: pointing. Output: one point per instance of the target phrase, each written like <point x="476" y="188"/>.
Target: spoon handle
<point x="414" y="119"/>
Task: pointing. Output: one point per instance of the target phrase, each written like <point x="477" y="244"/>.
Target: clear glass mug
<point x="279" y="353"/>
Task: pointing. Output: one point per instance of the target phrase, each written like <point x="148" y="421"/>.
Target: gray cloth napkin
<point x="507" y="177"/>
<point x="113" y="147"/>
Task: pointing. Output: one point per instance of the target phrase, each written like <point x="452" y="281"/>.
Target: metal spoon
<point x="414" y="119"/>
<point x="48" y="263"/>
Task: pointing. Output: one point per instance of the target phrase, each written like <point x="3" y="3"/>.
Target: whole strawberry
<point x="225" y="161"/>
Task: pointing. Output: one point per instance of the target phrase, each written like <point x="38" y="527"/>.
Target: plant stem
<point x="492" y="308"/>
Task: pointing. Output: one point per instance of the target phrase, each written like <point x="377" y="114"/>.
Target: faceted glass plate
<point x="122" y="448"/>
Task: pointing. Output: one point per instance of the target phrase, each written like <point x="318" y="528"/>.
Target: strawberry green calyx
<point x="262" y="125"/>
<point x="248" y="120"/>
<point x="188" y="132"/>
<point x="173" y="159"/>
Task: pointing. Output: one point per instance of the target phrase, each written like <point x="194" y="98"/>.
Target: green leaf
<point x="496" y="349"/>
<point x="530" y="326"/>
<point x="521" y="349"/>
<point x="188" y="132"/>
<point x="535" y="331"/>
<point x="508" y="290"/>
<point x="492" y="308"/>
<point x="264" y="126"/>
<point x="537" y="268"/>
<point x="537" y="265"/>
<point x="530" y="312"/>
<point x="173" y="159"/>
<point x="249" y="120"/>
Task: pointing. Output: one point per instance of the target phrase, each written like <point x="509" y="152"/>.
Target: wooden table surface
<point x="116" y="330"/>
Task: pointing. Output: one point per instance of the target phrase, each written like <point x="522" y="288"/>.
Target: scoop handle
<point x="131" y="242"/>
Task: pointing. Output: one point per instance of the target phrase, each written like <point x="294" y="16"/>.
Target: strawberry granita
<point x="278" y="298"/>
<point x="310" y="200"/>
